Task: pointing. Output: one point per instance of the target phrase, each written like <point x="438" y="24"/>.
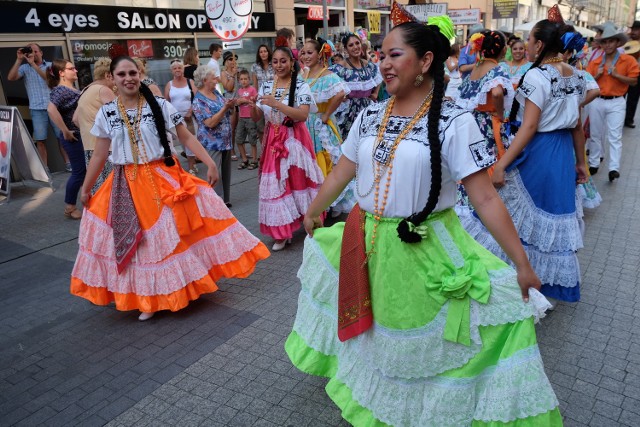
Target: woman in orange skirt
<point x="153" y="237"/>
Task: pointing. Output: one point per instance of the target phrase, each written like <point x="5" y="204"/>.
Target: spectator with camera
<point x="34" y="74"/>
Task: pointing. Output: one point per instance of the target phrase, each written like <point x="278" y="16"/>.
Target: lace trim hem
<point x="547" y="232"/>
<point x="169" y="275"/>
<point x="287" y="209"/>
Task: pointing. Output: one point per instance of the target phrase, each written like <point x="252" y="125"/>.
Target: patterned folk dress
<point x="155" y="237"/>
<point x="452" y="342"/>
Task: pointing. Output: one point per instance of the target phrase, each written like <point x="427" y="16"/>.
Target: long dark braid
<point x="439" y="45"/>
<point x="550" y="33"/>
<point x="158" y="118"/>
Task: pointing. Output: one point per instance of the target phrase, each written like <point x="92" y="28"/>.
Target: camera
<point x="27" y="50"/>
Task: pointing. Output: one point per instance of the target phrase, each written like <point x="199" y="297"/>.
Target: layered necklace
<point x="276" y="118"/>
<point x="382" y="161"/>
<point x="138" y="149"/>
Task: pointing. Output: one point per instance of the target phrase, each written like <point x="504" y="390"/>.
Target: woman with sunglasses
<point x="363" y="79"/>
<point x="61" y="76"/>
<point x="154" y="236"/>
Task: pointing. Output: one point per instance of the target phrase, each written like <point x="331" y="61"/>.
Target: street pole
<point x="325" y="20"/>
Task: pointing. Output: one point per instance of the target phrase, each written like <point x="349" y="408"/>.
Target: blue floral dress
<point x="473" y="97"/>
<point x="361" y="82"/>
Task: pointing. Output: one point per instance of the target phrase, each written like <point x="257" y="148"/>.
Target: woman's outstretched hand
<point x="311" y="223"/>
<point x="527" y="278"/>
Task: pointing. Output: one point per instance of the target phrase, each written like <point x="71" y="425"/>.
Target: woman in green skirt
<point x="413" y="322"/>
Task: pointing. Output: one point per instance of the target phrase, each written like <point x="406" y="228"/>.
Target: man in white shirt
<point x="216" y="52"/>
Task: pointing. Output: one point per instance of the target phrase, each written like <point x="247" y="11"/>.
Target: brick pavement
<point x="221" y="362"/>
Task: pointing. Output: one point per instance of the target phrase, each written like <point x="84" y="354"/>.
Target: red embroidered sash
<point x="123" y="219"/>
<point x="355" y="314"/>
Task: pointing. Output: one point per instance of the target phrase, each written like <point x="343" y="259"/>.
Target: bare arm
<point x="228" y="80"/>
<point x="333" y="185"/>
<point x="578" y="147"/>
<point x="106" y="95"/>
<point x="495" y="217"/>
<point x="13" y="74"/>
<point x="254" y="81"/>
<point x="167" y="90"/>
<point x="297" y="114"/>
<point x="334" y="103"/>
<point x="215" y="120"/>
<point x="591" y="95"/>
<point x="631" y="81"/>
<point x="192" y="143"/>
<point x="56" y="118"/>
<point x="529" y="127"/>
<point x="497" y="94"/>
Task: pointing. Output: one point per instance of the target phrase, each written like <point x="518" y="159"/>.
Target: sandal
<point x="243" y="165"/>
<point x="252" y="166"/>
<point x="234" y="157"/>
<point x="72" y="213"/>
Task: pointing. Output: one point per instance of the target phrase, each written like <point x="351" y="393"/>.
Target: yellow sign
<point x="374" y="22"/>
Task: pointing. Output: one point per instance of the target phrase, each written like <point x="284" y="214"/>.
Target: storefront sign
<point x="6" y="122"/>
<point x="333" y="3"/>
<point x="424" y="11"/>
<point x="374" y="22"/>
<point x="505" y="9"/>
<point x="229" y="19"/>
<point x="314" y="13"/>
<point x="465" y="16"/>
<point x="88" y="51"/>
<point x="27" y="17"/>
<point x="372" y="4"/>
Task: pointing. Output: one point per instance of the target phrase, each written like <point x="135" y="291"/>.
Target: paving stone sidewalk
<point x="220" y="362"/>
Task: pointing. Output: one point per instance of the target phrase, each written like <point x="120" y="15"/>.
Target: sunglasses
<point x="71" y="68"/>
<point x="174" y="61"/>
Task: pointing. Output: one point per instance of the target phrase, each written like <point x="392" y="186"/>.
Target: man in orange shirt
<point x="614" y="72"/>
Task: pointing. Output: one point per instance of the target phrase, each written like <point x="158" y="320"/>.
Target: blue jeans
<point x="75" y="151"/>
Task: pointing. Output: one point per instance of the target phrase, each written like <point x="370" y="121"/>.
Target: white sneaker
<point x="145" y="316"/>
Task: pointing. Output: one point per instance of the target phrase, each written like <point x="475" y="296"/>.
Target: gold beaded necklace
<point x="386" y="166"/>
<point x="553" y="60"/>
<point x="137" y="144"/>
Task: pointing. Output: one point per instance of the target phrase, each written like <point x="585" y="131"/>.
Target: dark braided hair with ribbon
<point x="423" y="39"/>
<point x="550" y="33"/>
<point x="158" y="118"/>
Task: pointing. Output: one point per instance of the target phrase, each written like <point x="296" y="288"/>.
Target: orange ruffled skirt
<point x="190" y="239"/>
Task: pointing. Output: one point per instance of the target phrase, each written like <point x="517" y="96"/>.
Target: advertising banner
<point x="505" y="9"/>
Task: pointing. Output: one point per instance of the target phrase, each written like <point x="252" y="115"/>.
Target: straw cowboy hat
<point x="610" y="31"/>
<point x="631" y="47"/>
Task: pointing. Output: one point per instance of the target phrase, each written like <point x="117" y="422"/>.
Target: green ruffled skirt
<point x="452" y="342"/>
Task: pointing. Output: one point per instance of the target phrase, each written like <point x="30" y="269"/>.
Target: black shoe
<point x="613" y="175"/>
<point x="629" y="125"/>
<point x="227" y="204"/>
<point x="183" y="154"/>
<point x="593" y="170"/>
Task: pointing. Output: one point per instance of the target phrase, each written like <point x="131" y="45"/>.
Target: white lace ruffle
<point x="169" y="275"/>
<point x="96" y="237"/>
<point x="287" y="209"/>
<point x="545" y="231"/>
<point x="365" y="85"/>
<point x="210" y="204"/>
<point x="392" y="372"/>
<point x="587" y="202"/>
<point x="328" y="91"/>
<point x="346" y="200"/>
<point x="516" y="388"/>
<point x="328" y="139"/>
<point x="481" y="97"/>
<point x="418" y="352"/>
<point x="556" y="268"/>
<point x="272" y="188"/>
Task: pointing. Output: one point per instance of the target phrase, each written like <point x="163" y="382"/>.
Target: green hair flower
<point x="445" y="24"/>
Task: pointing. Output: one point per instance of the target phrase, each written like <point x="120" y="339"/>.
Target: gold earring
<point x="419" y="80"/>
